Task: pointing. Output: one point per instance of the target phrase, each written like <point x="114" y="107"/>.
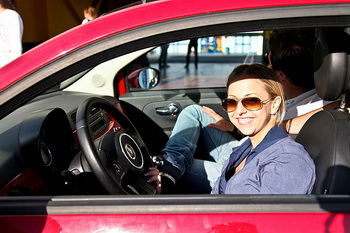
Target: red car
<point x="61" y="99"/>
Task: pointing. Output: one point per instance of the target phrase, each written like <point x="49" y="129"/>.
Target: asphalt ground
<point x="212" y="71"/>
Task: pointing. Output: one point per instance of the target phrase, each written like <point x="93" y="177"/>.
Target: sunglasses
<point x="249" y="103"/>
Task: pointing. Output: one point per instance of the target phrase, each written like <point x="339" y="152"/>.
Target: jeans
<point x="198" y="174"/>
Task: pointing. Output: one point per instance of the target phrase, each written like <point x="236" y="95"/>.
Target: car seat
<point x="326" y="135"/>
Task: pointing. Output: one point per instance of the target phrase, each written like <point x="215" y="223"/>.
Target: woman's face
<point x="254" y="124"/>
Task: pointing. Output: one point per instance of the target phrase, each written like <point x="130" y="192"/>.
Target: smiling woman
<point x="268" y="162"/>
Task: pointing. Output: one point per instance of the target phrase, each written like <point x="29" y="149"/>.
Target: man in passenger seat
<point x="291" y="58"/>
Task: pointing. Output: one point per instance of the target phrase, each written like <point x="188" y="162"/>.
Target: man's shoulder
<point x="303" y="104"/>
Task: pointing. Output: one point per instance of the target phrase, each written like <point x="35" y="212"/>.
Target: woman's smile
<point x="244" y="120"/>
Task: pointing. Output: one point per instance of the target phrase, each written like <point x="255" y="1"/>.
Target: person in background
<point x="291" y="58"/>
<point x="163" y="56"/>
<point x="193" y="43"/>
<point x="11" y="32"/>
<point x="89" y="14"/>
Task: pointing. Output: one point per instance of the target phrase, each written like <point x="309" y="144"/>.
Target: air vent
<point x="92" y="112"/>
<point x="98" y="121"/>
<point x="73" y="117"/>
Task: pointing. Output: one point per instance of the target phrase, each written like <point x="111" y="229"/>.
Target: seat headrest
<point x="332" y="63"/>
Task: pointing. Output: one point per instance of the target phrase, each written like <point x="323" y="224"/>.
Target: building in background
<point x="246" y="47"/>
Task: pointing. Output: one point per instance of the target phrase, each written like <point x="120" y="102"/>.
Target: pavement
<point x="212" y="71"/>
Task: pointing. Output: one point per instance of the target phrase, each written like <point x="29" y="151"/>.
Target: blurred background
<point x="44" y="19"/>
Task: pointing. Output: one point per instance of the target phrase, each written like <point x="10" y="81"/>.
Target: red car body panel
<point x="158" y="222"/>
<point x="110" y="24"/>
<point x="201" y="222"/>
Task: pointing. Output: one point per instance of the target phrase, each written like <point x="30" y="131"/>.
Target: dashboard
<point x="38" y="142"/>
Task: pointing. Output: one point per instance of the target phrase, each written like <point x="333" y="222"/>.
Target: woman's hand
<point x="221" y="123"/>
<point x="155" y="176"/>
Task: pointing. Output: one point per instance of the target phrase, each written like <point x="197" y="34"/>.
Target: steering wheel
<point x="119" y="159"/>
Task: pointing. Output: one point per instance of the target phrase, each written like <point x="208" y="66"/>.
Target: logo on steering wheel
<point x="130" y="151"/>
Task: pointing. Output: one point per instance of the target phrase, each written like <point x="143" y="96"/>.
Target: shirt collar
<point x="306" y="95"/>
<point x="275" y="134"/>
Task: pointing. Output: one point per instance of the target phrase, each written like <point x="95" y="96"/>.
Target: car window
<point x="100" y="79"/>
<point x="217" y="56"/>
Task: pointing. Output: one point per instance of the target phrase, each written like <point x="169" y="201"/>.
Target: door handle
<point x="171" y="109"/>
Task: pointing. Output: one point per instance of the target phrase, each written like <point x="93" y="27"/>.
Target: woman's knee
<point x="193" y="110"/>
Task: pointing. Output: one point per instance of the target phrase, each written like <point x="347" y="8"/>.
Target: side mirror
<point x="145" y="78"/>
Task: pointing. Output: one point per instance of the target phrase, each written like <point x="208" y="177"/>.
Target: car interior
<point x="64" y="142"/>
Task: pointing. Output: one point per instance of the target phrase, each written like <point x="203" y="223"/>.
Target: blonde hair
<point x="267" y="77"/>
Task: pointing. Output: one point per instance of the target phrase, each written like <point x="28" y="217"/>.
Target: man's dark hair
<point x="8" y="4"/>
<point x="292" y="53"/>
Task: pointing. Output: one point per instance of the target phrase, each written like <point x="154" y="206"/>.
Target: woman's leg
<point x="182" y="144"/>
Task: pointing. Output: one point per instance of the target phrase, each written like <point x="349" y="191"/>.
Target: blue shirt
<point x="278" y="165"/>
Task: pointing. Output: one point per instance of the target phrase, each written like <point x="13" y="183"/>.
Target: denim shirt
<point x="278" y="165"/>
